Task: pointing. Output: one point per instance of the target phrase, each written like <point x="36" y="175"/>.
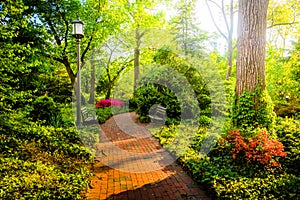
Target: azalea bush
<point x="260" y="148"/>
<point x="109" y="103"/>
<point x="245" y="165"/>
<point x="106" y="108"/>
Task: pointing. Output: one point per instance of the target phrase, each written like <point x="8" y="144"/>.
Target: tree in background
<point x="283" y="20"/>
<point x="101" y="19"/>
<point x="187" y="34"/>
<point x="228" y="17"/>
<point x="24" y="72"/>
<point x="142" y="18"/>
<point x="114" y="60"/>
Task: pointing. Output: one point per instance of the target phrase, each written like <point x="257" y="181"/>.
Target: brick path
<point x="132" y="165"/>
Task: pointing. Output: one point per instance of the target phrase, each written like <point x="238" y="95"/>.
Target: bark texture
<point x="138" y="37"/>
<point x="251" y="47"/>
<point x="93" y="81"/>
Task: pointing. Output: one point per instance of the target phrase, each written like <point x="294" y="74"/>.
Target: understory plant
<point x="106" y="108"/>
<point x="245" y="165"/>
<point x="248" y="114"/>
<point x="109" y="103"/>
<point x="260" y="148"/>
<point x="41" y="162"/>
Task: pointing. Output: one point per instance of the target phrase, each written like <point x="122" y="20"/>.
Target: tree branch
<point x="56" y="36"/>
<point x="63" y="16"/>
<point x="213" y="19"/>
<point x="121" y="69"/>
<point x="224" y="17"/>
<point x="283" y="24"/>
<point x="214" y="3"/>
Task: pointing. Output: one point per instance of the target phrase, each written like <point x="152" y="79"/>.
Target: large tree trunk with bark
<point x="253" y="107"/>
<point x="251" y="47"/>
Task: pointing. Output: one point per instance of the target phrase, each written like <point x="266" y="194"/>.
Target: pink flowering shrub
<point x="109" y="103"/>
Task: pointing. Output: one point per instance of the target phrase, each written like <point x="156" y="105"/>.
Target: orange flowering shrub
<point x="260" y="148"/>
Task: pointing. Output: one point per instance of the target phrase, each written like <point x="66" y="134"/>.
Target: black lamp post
<point x="78" y="34"/>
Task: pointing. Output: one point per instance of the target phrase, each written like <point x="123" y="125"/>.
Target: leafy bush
<point x="45" y="110"/>
<point x="106" y="108"/>
<point x="36" y="179"/>
<point x="272" y="186"/>
<point x="149" y="95"/>
<point x="225" y="176"/>
<point x="259" y="149"/>
<point x="103" y="114"/>
<point x="172" y="92"/>
<point x="246" y="116"/>
<point x="288" y="131"/>
<point x="287" y="110"/>
<point x="109" y="103"/>
<point x="41" y="162"/>
<point x="175" y="84"/>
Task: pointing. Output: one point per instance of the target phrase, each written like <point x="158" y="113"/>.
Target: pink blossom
<point x="109" y="103"/>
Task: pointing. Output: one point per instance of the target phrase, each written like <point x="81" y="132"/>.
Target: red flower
<point x="259" y="149"/>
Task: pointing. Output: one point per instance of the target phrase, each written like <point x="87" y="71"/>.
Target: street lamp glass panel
<point x="78" y="29"/>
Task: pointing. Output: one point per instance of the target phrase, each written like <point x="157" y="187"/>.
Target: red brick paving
<point x="135" y="167"/>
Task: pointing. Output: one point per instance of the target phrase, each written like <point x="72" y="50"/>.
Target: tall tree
<point x="186" y="32"/>
<point x="114" y="60"/>
<point x="142" y="17"/>
<point x="251" y="48"/>
<point x="228" y="17"/>
<point x="101" y="19"/>
<point x="23" y="71"/>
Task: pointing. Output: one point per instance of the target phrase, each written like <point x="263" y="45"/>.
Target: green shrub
<point x="151" y="94"/>
<point x="41" y="162"/>
<point x="224" y="178"/>
<point x="47" y="112"/>
<point x="288" y="131"/>
<point x="287" y="110"/>
<point x="38" y="180"/>
<point x="175" y="84"/>
<point x="104" y="114"/>
<point x="282" y="186"/>
<point x="227" y="178"/>
<point x="246" y="116"/>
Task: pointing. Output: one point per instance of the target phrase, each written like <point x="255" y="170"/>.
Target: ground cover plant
<point x="41" y="162"/>
<point x="261" y="166"/>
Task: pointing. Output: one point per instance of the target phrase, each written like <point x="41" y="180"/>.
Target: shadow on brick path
<point x="132" y="165"/>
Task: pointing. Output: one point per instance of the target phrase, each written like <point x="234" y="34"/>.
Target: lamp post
<point x="78" y="34"/>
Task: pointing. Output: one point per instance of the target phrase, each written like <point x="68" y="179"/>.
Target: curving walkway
<point x="132" y="165"/>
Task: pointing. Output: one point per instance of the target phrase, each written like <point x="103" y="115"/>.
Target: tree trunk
<point x="110" y="86"/>
<point x="253" y="107"/>
<point x="70" y="72"/>
<point x="251" y="46"/>
<point x="229" y="58"/>
<point x="92" y="89"/>
<point x="137" y="57"/>
<point x="229" y="42"/>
